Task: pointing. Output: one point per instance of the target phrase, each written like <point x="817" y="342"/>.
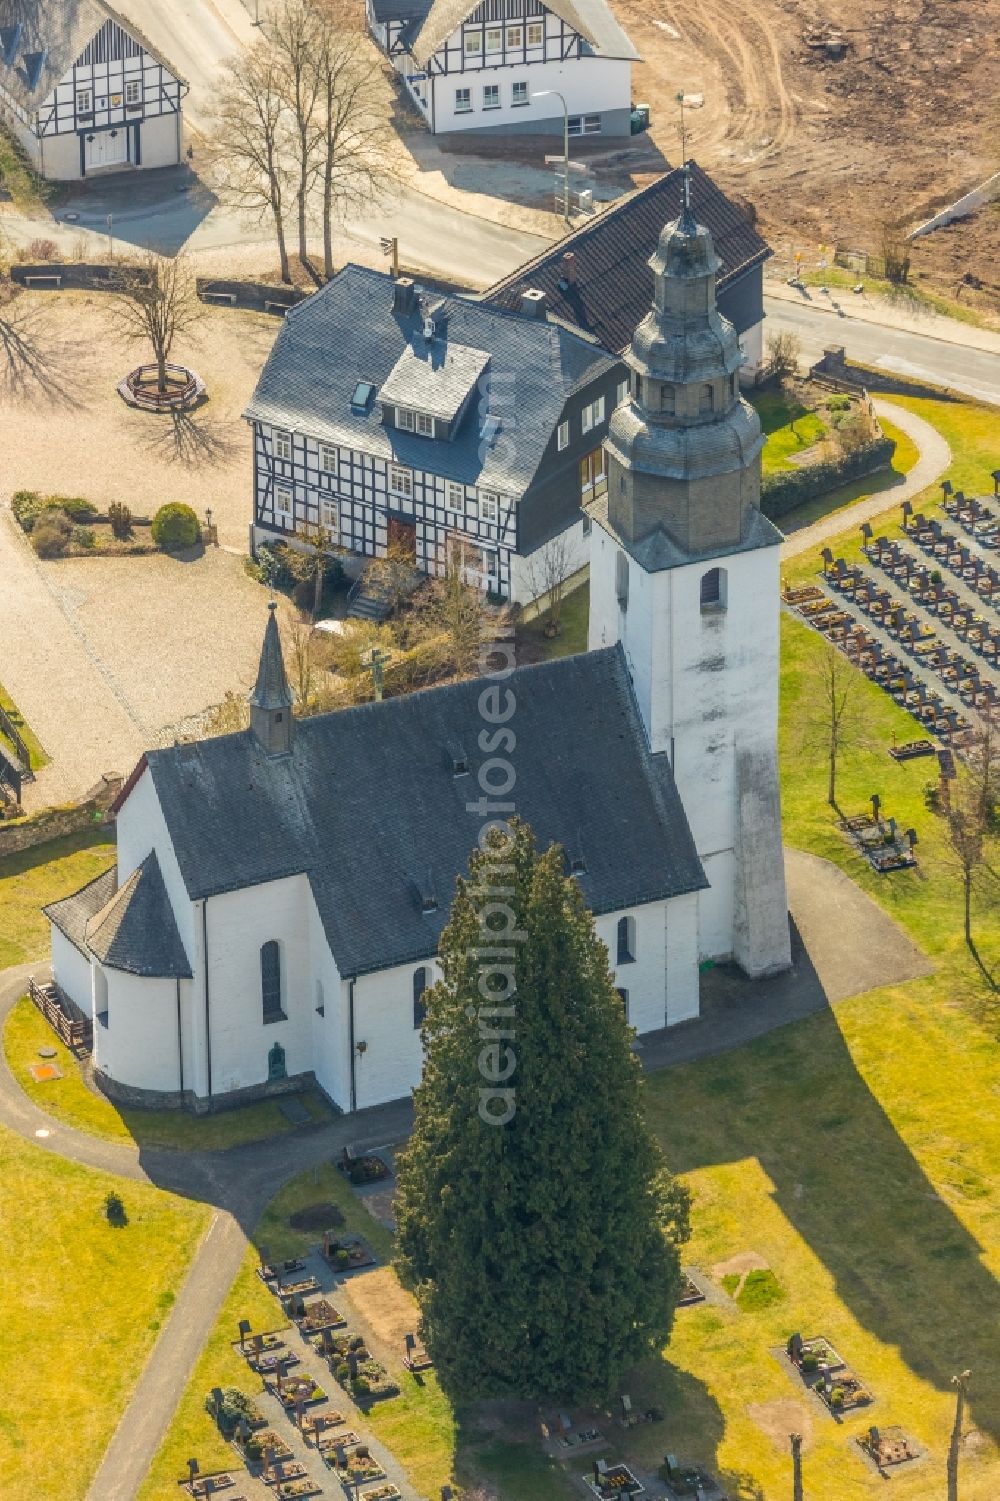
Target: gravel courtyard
<point x="105" y="656"/>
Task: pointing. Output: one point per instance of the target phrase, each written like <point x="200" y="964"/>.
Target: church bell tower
<point x="684" y="573"/>
<point x="271" y="700"/>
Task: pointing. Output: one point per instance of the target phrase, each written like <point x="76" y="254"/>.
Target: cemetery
<point x="888" y="1448"/>
<point x="826" y="1374"/>
<point x="346" y="1254"/>
<point x="691" y="1293"/>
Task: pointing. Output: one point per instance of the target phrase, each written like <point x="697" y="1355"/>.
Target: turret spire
<point x="271" y="699"/>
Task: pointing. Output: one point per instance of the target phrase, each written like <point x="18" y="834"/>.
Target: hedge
<point x="782" y="492"/>
<point x="175" y="525"/>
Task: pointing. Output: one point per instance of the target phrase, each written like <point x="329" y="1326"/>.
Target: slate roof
<point x="135" y="930"/>
<point x="72" y="914"/>
<point x="657" y="552"/>
<point x="400" y="10"/>
<point x="436" y="377"/>
<point x="348" y="332"/>
<point x="614" y="284"/>
<point x="40" y="40"/>
<point x="592" y="19"/>
<point x="368" y="807"/>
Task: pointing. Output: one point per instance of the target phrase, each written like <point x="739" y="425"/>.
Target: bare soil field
<point x="833" y="118"/>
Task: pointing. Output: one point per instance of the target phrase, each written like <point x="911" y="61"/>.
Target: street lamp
<point x="555" y="94"/>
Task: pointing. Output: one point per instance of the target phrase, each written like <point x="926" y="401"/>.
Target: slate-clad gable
<point x="369" y="808"/>
<point x="348" y="332"/>
<point x="614" y="283"/>
<point x="135" y="930"/>
<point x="72" y="914"/>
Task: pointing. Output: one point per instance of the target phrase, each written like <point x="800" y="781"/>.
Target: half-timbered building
<point x="84" y="91"/>
<point x="499" y="64"/>
<point x="468" y="436"/>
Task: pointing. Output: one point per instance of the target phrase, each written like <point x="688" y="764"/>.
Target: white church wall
<point x="141" y="827"/>
<point x="329" y="1029"/>
<point x="392" y="1061"/>
<point x="239" y="923"/>
<point x="71" y="971"/>
<point x="138" y="1043"/>
<point x="681" y="946"/>
<point x="715" y="906"/>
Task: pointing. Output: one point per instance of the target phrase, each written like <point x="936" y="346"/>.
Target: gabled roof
<point x="135" y="930"/>
<point x="40" y="40"/>
<point x="348" y="332"/>
<point x="613" y="290"/>
<point x="592" y="19"/>
<point x="400" y="10"/>
<point x="369" y="808"/>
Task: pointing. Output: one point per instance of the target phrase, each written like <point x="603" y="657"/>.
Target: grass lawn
<point x="535" y="646"/>
<point x="75" y="1103"/>
<point x="30" y="880"/>
<point x="82" y="1304"/>
<point x="36" y="755"/>
<point x="903" y="460"/>
<point x="788" y="426"/>
<point x="913" y="297"/>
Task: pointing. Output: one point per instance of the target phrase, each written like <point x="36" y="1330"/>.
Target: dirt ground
<point x="827" y="148"/>
<point x="780" y="1418"/>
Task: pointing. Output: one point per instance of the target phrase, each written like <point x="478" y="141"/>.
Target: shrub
<point x="254" y="1450"/>
<point x="175" y="525"/>
<point x="341" y="1259"/>
<point x="26" y="506"/>
<point x="839" y="404"/>
<point x="120" y="517"/>
<point x="51" y="534"/>
<point x="343" y="1373"/>
<point x="837" y="1397"/>
<point x="84" y="536"/>
<point x="75" y="506"/>
<point x="272" y="565"/>
<point x="810" y="1362"/>
<point x="42" y="250"/>
<point x="114" y="1210"/>
<point x="234" y="1406"/>
<point x="362" y="1386"/>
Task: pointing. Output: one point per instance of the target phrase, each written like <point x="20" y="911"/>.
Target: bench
<point x="228" y="297"/>
<point x="53" y="277"/>
<point x="270" y="306"/>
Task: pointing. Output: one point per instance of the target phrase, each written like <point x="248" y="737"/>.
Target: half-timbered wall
<point x="114" y="85"/>
<point x="361" y="487"/>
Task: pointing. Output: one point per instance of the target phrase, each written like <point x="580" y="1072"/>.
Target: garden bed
<point x="370" y="1383"/>
<point x="346" y="1254"/>
<point x="318" y="1316"/>
<point x="298" y="1391"/>
<point x="387" y="1492"/>
<point x="268" y="1440"/>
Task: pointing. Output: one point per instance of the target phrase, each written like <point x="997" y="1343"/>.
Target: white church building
<point x="280" y="892"/>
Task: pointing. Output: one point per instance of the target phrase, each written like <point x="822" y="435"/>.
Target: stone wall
<point x="163" y="1099"/>
<point x="837" y="370"/>
<point x="256" y="296"/>
<point x="55" y="823"/>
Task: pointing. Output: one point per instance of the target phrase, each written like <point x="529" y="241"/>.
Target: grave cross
<point x="244" y="1331"/>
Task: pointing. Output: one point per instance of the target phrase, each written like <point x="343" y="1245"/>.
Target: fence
<point x="65" y="1019"/>
<point x="10" y="731"/>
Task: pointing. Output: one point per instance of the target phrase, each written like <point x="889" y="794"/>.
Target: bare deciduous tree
<point x="971" y="824"/>
<point x="310" y="559"/>
<point x="834" y="713"/>
<point x="549" y="570"/>
<point x="154" y="302"/>
<point x="251" y="157"/>
<point x="296" y="34"/>
<point x="782" y="352"/>
<point x="451" y="608"/>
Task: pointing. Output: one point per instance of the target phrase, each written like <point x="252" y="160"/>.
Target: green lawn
<point x="789" y="428"/>
<point x="74" y="1102"/>
<point x="914" y="297"/>
<point x="82" y="1306"/>
<point x="535" y="646"/>
<point x="903" y="460"/>
<point x="31" y="880"/>
<point x="36" y="754"/>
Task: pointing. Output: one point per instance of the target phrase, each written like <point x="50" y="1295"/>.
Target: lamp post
<point x="555" y="94"/>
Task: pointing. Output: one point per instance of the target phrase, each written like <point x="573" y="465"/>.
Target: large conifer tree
<point x="538" y="1226"/>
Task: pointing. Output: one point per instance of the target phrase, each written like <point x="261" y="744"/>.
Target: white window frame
<point x="489" y="507"/>
<point x="562" y="435"/>
<point x="463" y="101"/>
<point x="133" y="91"/>
<point x="587" y="417"/>
<point x="283" y="512"/>
<point x="329" y="458"/>
<point x="515" y="37"/>
<point x="622" y="392"/>
<point x="584" y="125"/>
<point x="454" y="497"/>
<point x="282" y="444"/>
<point x="472" y="43"/>
<point x="401" y="481"/>
<point x="85" y="101"/>
<point x="593" y="414"/>
<point x="329" y="516"/>
<point x="494" y="38"/>
<point x="425" y="425"/>
<point x="517" y="100"/>
<point x="491" y="96"/>
<point x="538" y="28"/>
<point x="406" y="419"/>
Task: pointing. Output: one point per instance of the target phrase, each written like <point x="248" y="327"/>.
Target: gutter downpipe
<point x="350" y="1042"/>
<point x="208" y="1009"/>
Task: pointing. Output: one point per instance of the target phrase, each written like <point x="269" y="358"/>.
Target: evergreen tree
<point x="538" y="1226"/>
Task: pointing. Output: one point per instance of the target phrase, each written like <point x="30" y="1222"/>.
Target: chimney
<point x="569" y="267"/>
<point x="404" y="295"/>
<point x="533" y="303"/>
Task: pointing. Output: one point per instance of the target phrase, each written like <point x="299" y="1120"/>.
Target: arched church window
<point x="420" y="981"/>
<point x="626" y="940"/>
<point x="320" y="999"/>
<point x="713" y="589"/>
<point x="706" y="398"/>
<point x="621" y="580"/>
<point x="270" y="981"/>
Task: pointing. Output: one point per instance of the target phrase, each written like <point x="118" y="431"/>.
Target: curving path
<point x="935" y="458"/>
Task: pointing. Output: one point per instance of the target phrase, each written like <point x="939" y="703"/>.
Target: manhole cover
<point x="46" y="1052"/>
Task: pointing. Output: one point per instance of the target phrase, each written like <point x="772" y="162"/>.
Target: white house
<point x="280" y="892"/>
<point x="499" y="66"/>
<point x="84" y="91"/>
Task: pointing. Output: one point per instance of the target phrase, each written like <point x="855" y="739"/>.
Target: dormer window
<point x="415" y="422"/>
<point x="489" y="506"/>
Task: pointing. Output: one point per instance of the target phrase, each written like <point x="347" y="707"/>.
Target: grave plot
<point x="346" y="1253"/>
<point x="347" y="1462"/>
<point x="366" y="1380"/>
<point x="387" y="1492"/>
<point x="562" y="1435"/>
<point x="221" y="1482"/>
<point x="255" y="1446"/>
<point x="827" y="1375"/>
<point x="296" y="1391"/>
<point x="338" y="1348"/>
<point x="272" y="1362"/>
<point x="687" y="1479"/>
<point x="416" y="1357"/>
<point x="318" y="1316"/>
<point x="233" y="1409"/>
<point x="884" y="846"/>
<point x="609" y="1481"/>
<point x="691" y="1293"/>
<point x="888" y="1448"/>
<point x="304" y="1486"/>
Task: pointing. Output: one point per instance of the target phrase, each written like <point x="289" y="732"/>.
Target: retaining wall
<point x="20" y="834"/>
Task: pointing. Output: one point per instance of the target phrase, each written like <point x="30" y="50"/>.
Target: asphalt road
<point x="196" y="37"/>
<point x="976" y="372"/>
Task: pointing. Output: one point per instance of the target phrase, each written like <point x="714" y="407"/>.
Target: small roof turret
<point x="271" y="699"/>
